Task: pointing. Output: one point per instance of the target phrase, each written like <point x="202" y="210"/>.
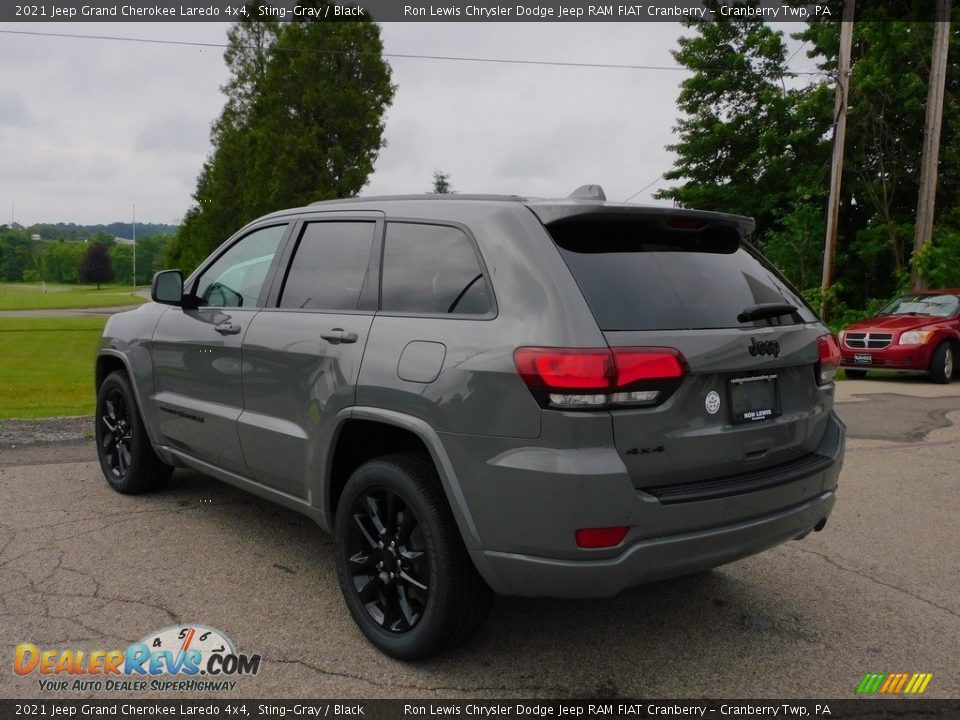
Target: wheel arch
<point x="110" y="360"/>
<point x="398" y="433"/>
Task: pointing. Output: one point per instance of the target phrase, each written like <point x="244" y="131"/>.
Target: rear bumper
<point x="652" y="560"/>
<point x="895" y="357"/>
<point x="526" y="520"/>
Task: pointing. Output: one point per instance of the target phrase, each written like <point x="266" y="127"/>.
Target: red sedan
<point x="916" y="332"/>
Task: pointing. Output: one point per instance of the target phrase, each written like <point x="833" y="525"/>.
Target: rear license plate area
<point x="754" y="398"/>
<point x="863" y="358"/>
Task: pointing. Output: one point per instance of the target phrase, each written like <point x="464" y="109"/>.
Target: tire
<point x="421" y="595"/>
<point x="855" y="374"/>
<point x="943" y="363"/>
<point x="123" y="447"/>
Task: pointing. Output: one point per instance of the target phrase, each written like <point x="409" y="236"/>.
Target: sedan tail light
<point x="596" y="378"/>
<point x="829" y="359"/>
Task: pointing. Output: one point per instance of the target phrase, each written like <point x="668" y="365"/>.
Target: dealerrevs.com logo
<point x="187" y="658"/>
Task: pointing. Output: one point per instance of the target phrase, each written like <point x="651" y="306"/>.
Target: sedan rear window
<point x="638" y="274"/>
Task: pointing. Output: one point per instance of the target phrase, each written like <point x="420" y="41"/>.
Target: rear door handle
<point x="337" y="335"/>
<point x="227" y="329"/>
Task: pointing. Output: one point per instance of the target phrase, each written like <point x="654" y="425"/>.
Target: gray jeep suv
<point x="486" y="394"/>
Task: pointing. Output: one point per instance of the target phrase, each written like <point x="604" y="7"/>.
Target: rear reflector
<point x="597" y="377"/>
<point x="829" y="361"/>
<point x="600" y="537"/>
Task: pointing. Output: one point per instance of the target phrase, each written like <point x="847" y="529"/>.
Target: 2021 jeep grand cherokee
<point x="486" y="394"/>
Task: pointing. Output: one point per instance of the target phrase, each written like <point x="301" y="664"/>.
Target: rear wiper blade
<point x="766" y="310"/>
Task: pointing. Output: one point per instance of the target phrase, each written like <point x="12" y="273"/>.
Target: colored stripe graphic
<point x="871" y="682"/>
<point x="918" y="683"/>
<point x="895" y="683"/>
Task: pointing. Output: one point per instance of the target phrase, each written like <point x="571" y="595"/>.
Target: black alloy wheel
<point x="388" y="560"/>
<point x="405" y="574"/>
<point x="116" y="434"/>
<point x="126" y="456"/>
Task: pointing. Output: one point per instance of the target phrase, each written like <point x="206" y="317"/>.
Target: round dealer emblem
<point x="181" y="638"/>
<point x="712" y="402"/>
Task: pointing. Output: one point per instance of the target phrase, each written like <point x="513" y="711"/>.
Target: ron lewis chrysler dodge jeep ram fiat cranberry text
<point x="486" y="394"/>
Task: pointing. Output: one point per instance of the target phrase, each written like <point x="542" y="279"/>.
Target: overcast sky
<point x="90" y="127"/>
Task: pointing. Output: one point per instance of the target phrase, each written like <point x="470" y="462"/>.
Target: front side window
<point x="432" y="270"/>
<point x="236" y="278"/>
<point x="330" y="266"/>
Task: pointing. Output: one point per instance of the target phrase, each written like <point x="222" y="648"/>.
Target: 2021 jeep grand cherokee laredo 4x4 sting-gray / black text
<point x="486" y="394"/>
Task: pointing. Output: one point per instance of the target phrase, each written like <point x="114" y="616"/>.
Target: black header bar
<point x="414" y="10"/>
<point x="480" y="710"/>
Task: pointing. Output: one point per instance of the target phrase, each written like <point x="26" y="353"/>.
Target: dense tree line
<point x="754" y="140"/>
<point x="60" y="261"/>
<point x="303" y="121"/>
<point x="72" y="231"/>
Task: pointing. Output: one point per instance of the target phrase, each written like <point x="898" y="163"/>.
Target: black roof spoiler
<point x="550" y="211"/>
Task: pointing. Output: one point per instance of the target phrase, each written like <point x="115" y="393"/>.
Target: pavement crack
<point x="438" y="688"/>
<point x="859" y="573"/>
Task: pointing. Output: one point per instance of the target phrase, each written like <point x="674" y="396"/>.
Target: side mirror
<point x="167" y="287"/>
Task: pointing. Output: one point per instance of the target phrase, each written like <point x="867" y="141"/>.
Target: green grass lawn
<point x="46" y="366"/>
<point x="23" y="296"/>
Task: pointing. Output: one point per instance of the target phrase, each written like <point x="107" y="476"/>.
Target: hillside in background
<point x="72" y="231"/>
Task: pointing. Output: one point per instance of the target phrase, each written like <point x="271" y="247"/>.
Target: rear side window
<point x="432" y="270"/>
<point x="330" y="265"/>
<point x="639" y="275"/>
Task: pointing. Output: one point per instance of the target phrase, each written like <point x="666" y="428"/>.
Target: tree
<point x="747" y="143"/>
<point x="96" y="266"/>
<point x="441" y="183"/>
<point x="16" y="254"/>
<point x="886" y="107"/>
<point x="303" y="121"/>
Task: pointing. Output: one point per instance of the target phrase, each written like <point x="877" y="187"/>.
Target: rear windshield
<point x="639" y="275"/>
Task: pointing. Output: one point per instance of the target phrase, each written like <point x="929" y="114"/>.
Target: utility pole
<point x="134" y="248"/>
<point x="931" y="137"/>
<point x="839" y="138"/>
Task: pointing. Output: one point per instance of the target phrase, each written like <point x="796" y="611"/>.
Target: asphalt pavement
<point x="84" y="568"/>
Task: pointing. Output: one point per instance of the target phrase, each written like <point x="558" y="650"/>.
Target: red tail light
<point x="595" y="377"/>
<point x="600" y="537"/>
<point x="829" y="359"/>
<point x="565" y="369"/>
<point x="654" y="364"/>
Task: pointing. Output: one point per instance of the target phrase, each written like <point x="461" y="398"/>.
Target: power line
<point x="646" y="187"/>
<point x="796" y="51"/>
<point x="405" y="56"/>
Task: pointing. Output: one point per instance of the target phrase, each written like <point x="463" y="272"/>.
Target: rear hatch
<point x="750" y="402"/>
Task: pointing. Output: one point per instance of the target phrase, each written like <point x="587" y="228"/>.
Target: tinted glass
<point x="637" y="275"/>
<point x="236" y="278"/>
<point x="432" y="269"/>
<point x="330" y="266"/>
<point x="935" y="305"/>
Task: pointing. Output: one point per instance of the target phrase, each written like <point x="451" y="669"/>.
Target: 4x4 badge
<point x="764" y="347"/>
